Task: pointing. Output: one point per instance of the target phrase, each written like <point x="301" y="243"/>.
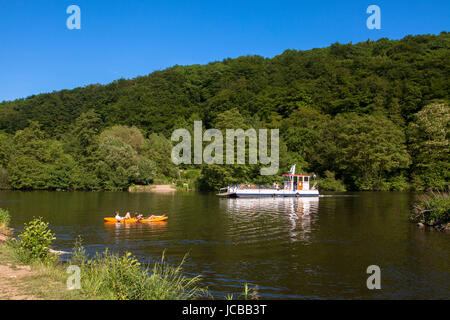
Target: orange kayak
<point x="134" y="220"/>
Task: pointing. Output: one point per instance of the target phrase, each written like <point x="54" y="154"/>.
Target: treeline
<point x="369" y="116"/>
<point x="83" y="159"/>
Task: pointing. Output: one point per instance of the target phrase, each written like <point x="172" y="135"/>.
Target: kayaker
<point x="154" y="217"/>
<point x="118" y="217"/>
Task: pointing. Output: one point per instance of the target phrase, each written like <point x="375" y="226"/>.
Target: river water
<point x="293" y="248"/>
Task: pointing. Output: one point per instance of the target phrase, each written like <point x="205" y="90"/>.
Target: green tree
<point x="120" y="165"/>
<point x="5" y="152"/>
<point x="366" y="149"/>
<point x="129" y="135"/>
<point x="429" y="142"/>
<point x="158" y="149"/>
<point x="302" y="93"/>
<point x="37" y="162"/>
<point x="82" y="143"/>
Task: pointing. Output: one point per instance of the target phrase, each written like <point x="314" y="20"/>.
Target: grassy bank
<point x="36" y="279"/>
<point x="105" y="276"/>
<point x="33" y="281"/>
<point x="432" y="209"/>
<point x="29" y="269"/>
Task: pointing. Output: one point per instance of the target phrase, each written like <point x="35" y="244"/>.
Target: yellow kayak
<point x="134" y="220"/>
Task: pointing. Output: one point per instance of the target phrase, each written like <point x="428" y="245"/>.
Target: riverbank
<point x="166" y="188"/>
<point x="34" y="281"/>
<point x="106" y="277"/>
<point x="29" y="281"/>
<point x="433" y="210"/>
<point x="30" y="269"/>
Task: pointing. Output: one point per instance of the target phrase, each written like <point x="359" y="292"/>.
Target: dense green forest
<point x="367" y="116"/>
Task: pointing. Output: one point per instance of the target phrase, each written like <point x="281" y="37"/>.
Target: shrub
<point x="396" y="183"/>
<point x="432" y="209"/>
<point x="4" y="218"/>
<point x="330" y="183"/>
<point x="35" y="241"/>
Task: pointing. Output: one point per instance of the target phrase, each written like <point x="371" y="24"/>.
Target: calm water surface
<point x="290" y="248"/>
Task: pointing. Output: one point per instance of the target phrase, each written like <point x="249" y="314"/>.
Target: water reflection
<point x="120" y="232"/>
<point x="288" y="217"/>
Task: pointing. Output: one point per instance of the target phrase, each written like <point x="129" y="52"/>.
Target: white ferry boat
<point x="294" y="185"/>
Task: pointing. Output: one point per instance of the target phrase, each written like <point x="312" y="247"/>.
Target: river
<point x="293" y="248"/>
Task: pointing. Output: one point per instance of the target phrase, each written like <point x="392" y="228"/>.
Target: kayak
<point x="134" y="220"/>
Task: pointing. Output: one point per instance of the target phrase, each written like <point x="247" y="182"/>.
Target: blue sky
<point x="128" y="38"/>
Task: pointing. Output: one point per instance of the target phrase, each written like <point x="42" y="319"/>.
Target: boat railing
<point x="251" y="187"/>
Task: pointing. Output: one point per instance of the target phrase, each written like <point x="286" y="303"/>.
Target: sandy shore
<point x="161" y="188"/>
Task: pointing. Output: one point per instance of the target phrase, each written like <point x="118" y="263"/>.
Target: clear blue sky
<point x="127" y="38"/>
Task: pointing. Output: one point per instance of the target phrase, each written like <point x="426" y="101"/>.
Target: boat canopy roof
<point x="296" y="175"/>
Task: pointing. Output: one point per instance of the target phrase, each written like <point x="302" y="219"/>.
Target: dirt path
<point x="11" y="287"/>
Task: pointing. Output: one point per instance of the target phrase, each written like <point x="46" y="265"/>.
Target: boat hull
<point x="269" y="193"/>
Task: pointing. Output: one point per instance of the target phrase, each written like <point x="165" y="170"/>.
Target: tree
<point x="429" y="143"/>
<point x="120" y="165"/>
<point x="308" y="95"/>
<point x="158" y="149"/>
<point x="129" y="135"/>
<point x="5" y="152"/>
<point x="366" y="149"/>
<point x="37" y="162"/>
<point x="230" y="119"/>
<point x="82" y="144"/>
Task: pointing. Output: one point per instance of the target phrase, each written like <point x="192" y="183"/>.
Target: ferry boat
<point x="294" y="185"/>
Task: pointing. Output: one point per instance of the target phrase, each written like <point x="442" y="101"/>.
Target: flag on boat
<point x="292" y="171"/>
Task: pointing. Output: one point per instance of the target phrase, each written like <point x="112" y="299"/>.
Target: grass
<point x="7" y="255"/>
<point x="247" y="294"/>
<point x="115" y="277"/>
<point x="432" y="209"/>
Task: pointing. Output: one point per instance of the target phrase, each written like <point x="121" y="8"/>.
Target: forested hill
<point x="323" y="101"/>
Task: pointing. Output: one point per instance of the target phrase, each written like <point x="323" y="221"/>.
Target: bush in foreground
<point x="432" y="209"/>
<point x="35" y="242"/>
<point x="4" y="218"/>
